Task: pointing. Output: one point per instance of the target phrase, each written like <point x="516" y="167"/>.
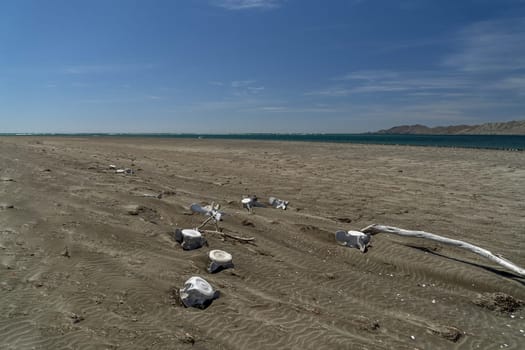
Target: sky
<point x="235" y="66"/>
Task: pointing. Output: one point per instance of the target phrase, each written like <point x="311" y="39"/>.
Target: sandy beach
<point x="79" y="272"/>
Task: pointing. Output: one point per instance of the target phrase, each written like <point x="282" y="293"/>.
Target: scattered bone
<point x="278" y="203"/>
<point x="219" y="260"/>
<point x="229" y="235"/>
<point x="197" y="292"/>
<point x="210" y="210"/>
<point x="353" y="239"/>
<point x="189" y="239"/>
<point x="249" y="202"/>
<point x="374" y="229"/>
<point x="126" y="171"/>
<point x="149" y="195"/>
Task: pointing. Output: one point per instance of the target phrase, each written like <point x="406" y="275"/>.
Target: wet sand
<point x="295" y="288"/>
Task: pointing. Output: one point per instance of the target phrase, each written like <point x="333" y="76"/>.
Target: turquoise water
<point x="508" y="142"/>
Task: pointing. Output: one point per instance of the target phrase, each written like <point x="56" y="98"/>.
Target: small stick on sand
<point x="208" y="220"/>
<point x="229" y="235"/>
<point x="374" y="229"/>
<point x="65" y="252"/>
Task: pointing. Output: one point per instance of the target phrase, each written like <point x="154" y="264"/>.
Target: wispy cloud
<point x="255" y="89"/>
<point x="274" y="109"/>
<point x="241" y="83"/>
<point x="334" y="92"/>
<point x="122" y="99"/>
<point x="381" y="81"/>
<point x="78" y="84"/>
<point x="369" y="75"/>
<point x="216" y="83"/>
<point x="242" y="88"/>
<point x="489" y="59"/>
<point x="295" y="109"/>
<point x="496" y="45"/>
<point x="247" y="4"/>
<point x="105" y="68"/>
<point x="514" y="83"/>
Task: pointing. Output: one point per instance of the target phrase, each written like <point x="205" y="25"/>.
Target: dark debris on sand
<point x="174" y="296"/>
<point x="500" y="302"/>
<point x="449" y="333"/>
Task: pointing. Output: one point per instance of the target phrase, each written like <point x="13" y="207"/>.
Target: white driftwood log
<point x="374" y="229"/>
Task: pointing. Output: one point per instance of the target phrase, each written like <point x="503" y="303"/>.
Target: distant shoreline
<point x="496" y="142"/>
<point x="514" y="127"/>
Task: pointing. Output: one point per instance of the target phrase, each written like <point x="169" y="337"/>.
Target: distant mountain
<point x="506" y="128"/>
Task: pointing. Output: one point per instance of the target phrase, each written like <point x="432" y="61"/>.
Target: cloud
<point x="369" y="75"/>
<point x="245" y="88"/>
<point x="105" y="68"/>
<point x="247" y="4"/>
<point x="216" y="83"/>
<point x="334" y="92"/>
<point x="255" y="89"/>
<point x="241" y="83"/>
<point x="381" y="81"/>
<point x="77" y="84"/>
<point x="513" y="84"/>
<point x="274" y="109"/>
<point x="490" y="46"/>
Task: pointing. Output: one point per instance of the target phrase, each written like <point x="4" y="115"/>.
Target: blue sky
<point x="221" y="66"/>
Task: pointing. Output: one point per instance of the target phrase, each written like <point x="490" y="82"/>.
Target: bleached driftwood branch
<point x="229" y="235"/>
<point x="374" y="229"/>
<point x="206" y="222"/>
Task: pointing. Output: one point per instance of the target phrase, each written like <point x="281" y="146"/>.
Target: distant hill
<point x="506" y="128"/>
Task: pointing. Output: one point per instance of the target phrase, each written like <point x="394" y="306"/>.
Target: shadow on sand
<point x="499" y="272"/>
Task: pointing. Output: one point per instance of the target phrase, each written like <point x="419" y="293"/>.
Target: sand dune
<point x="295" y="288"/>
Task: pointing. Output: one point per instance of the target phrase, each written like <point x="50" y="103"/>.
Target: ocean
<point x="501" y="142"/>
